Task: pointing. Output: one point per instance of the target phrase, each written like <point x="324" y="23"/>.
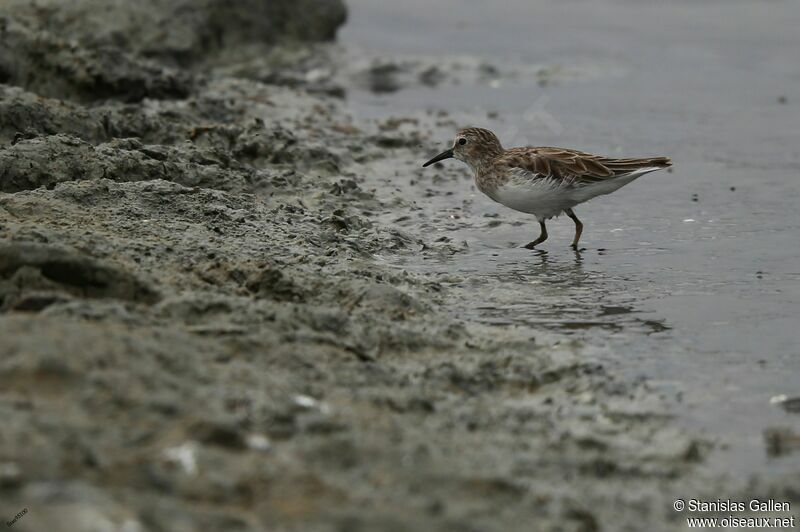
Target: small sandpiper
<point x="543" y="181"/>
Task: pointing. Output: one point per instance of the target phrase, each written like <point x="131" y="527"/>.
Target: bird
<point x="543" y="181"/>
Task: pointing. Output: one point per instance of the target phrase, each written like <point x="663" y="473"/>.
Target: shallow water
<point x="690" y="278"/>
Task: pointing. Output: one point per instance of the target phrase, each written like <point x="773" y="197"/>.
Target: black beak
<point x="447" y="154"/>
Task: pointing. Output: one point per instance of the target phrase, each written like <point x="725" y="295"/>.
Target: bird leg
<point x="578" y="228"/>
<point x="542" y="237"/>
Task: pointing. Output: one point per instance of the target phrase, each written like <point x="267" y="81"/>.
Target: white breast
<point x="545" y="198"/>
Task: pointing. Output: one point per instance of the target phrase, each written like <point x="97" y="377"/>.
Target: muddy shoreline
<point x="206" y="321"/>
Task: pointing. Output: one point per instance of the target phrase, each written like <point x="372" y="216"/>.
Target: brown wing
<point x="574" y="167"/>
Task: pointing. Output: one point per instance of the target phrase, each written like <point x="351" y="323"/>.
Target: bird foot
<point x="530" y="245"/>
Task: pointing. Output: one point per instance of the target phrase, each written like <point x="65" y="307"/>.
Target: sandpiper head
<point x="472" y="145"/>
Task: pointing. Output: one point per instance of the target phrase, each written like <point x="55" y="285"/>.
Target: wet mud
<point x="230" y="299"/>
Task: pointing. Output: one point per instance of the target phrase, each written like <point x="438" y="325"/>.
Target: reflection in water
<point x="543" y="290"/>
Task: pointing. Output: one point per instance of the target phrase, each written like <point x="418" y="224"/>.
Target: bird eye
<point x="462" y="141"/>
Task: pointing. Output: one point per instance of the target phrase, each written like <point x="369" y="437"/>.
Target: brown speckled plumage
<point x="573" y="167"/>
<point x="543" y="181"/>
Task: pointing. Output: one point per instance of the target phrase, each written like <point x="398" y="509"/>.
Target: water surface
<point x="689" y="278"/>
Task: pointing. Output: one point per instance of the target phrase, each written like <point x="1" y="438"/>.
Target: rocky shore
<point x="196" y="331"/>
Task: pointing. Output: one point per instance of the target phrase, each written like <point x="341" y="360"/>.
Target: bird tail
<point x="621" y="167"/>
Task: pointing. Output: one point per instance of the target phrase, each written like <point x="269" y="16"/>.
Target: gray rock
<point x="51" y="66"/>
<point x="47" y="161"/>
<point x="26" y="266"/>
<point x="180" y="31"/>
